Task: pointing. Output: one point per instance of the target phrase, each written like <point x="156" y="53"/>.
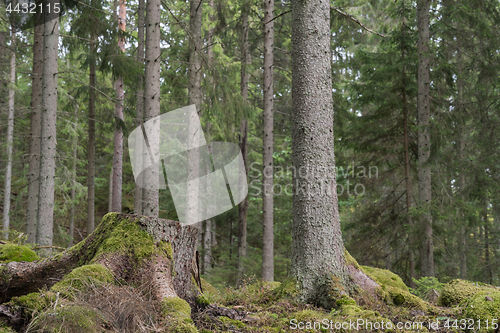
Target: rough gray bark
<point x="140" y="97"/>
<point x="36" y="105"/>
<point x="243" y="206"/>
<point x="45" y="216"/>
<point x="424" y="143"/>
<point x="10" y="129"/>
<point x="318" y="249"/>
<point x="152" y="101"/>
<point x="268" y="174"/>
<point x="116" y="204"/>
<point x="91" y="143"/>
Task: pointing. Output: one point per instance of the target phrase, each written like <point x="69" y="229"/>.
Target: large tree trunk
<point x="243" y="206"/>
<point x="138" y="248"/>
<point x="318" y="257"/>
<point x="10" y="130"/>
<point x="152" y="103"/>
<point x="45" y="217"/>
<point x="116" y="203"/>
<point x="268" y="172"/>
<point x="91" y="142"/>
<point x="424" y="140"/>
<point x="140" y="100"/>
<point x="36" y="105"/>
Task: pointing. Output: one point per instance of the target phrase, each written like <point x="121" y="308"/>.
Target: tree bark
<point x="45" y="217"/>
<point x="116" y="205"/>
<point x="152" y="103"/>
<point x="138" y="193"/>
<point x="36" y="104"/>
<point x="20" y="278"/>
<point x="268" y="172"/>
<point x="73" y="177"/>
<point x="10" y="129"/>
<point x="411" y="243"/>
<point x="91" y="143"/>
<point x="424" y="144"/>
<point x="243" y="206"/>
<point x="318" y="249"/>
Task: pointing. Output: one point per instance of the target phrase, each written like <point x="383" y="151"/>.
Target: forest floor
<point x="89" y="299"/>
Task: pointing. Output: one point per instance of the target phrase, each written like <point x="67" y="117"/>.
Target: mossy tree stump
<point x="133" y="248"/>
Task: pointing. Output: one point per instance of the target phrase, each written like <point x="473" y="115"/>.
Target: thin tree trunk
<point x="267" y="200"/>
<point x="45" y="218"/>
<point x="243" y="206"/>
<point x="318" y="249"/>
<point x="152" y="103"/>
<point x="424" y="144"/>
<point x="140" y="100"/>
<point x="36" y="104"/>
<point x="10" y="130"/>
<point x="411" y="243"/>
<point x="116" y="205"/>
<point x="73" y="178"/>
<point x="209" y="224"/>
<point x="461" y="215"/>
<point x="91" y="144"/>
<point x="489" y="274"/>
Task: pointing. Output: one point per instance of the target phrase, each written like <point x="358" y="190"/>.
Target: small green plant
<point x="425" y="284"/>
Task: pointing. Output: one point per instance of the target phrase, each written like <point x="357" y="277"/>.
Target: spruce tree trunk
<point x="268" y="174"/>
<point x="152" y="103"/>
<point x="91" y="143"/>
<point x="243" y="206"/>
<point x="424" y="143"/>
<point x="36" y="104"/>
<point x="139" y="100"/>
<point x="411" y="243"/>
<point x="73" y="177"/>
<point x="318" y="249"/>
<point x="10" y="130"/>
<point x="116" y="205"/>
<point x="45" y="218"/>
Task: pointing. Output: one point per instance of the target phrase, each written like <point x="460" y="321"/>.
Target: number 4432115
<point x="32" y="8"/>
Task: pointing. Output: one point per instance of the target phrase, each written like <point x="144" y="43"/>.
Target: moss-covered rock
<point x="384" y="276"/>
<point x="69" y="319"/>
<point x="177" y="313"/>
<point x="82" y="277"/>
<point x="456" y="291"/>
<point x="484" y="305"/>
<point x="14" y="252"/>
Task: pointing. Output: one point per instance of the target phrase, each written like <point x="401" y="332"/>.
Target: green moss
<point x="231" y="323"/>
<point x="354" y="313"/>
<point x="307" y="315"/>
<point x="350" y="260"/>
<point x="456" y="291"/>
<point x="484" y="305"/>
<point x="178" y="314"/>
<point x="287" y="289"/>
<point x="345" y="300"/>
<point x="14" y="252"/>
<point x="69" y="319"/>
<point x="385" y="277"/>
<point x="34" y="302"/>
<point x="208" y="288"/>
<point x="81" y="277"/>
<point x="202" y="300"/>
